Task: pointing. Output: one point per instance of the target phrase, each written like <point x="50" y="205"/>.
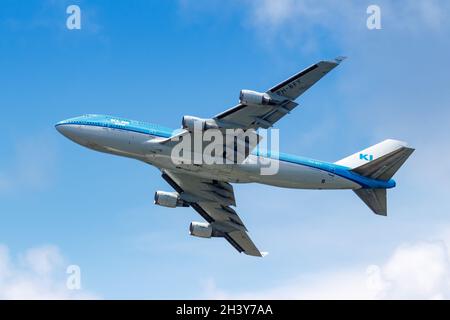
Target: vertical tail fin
<point x="380" y="161"/>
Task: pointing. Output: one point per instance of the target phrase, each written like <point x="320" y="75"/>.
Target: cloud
<point x="419" y="271"/>
<point x="413" y="271"/>
<point x="277" y="13"/>
<point x="304" y="23"/>
<point x="430" y="15"/>
<point x="310" y="26"/>
<point x="38" y="273"/>
<point x="43" y="260"/>
<point x="333" y="285"/>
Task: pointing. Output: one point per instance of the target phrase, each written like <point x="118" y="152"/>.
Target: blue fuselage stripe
<point x="341" y="171"/>
<point x="127" y="126"/>
<point x="154" y="130"/>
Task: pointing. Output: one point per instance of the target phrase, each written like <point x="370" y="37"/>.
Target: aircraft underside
<point x="205" y="185"/>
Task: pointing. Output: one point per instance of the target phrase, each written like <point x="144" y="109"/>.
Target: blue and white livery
<point x="207" y="187"/>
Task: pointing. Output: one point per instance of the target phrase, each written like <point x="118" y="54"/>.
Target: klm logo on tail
<point x="366" y="156"/>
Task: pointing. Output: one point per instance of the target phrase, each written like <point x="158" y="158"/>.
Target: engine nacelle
<point x="253" y="97"/>
<point x="201" y="229"/>
<point x="197" y="124"/>
<point x="168" y="199"/>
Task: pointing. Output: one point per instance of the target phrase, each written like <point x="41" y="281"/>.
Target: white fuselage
<point x="147" y="148"/>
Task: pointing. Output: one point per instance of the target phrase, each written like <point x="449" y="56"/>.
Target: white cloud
<point x="296" y="23"/>
<point x="419" y="271"/>
<point x="38" y="273"/>
<point x="413" y="271"/>
<point x="43" y="260"/>
<point x="329" y="285"/>
<point x="303" y="24"/>
<point x="274" y="13"/>
<point x="422" y="13"/>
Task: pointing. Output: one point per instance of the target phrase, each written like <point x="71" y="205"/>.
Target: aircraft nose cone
<point x="73" y="129"/>
<point x="61" y="128"/>
<point x="69" y="130"/>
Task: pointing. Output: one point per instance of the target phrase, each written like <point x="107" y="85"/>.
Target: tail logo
<point x="366" y="156"/>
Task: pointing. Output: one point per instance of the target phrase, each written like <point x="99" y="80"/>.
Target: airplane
<point x="207" y="188"/>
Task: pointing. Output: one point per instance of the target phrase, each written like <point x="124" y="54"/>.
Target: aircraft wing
<point x="264" y="116"/>
<point x="212" y="200"/>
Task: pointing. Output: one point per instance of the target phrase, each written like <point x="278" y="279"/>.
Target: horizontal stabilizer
<point x="375" y="199"/>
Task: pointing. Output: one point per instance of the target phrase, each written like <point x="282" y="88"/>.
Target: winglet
<point x="340" y="59"/>
<point x="264" y="253"/>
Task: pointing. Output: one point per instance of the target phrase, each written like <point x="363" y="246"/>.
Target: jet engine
<point x="193" y="123"/>
<point x="201" y="229"/>
<point x="253" y="97"/>
<point x="168" y="199"/>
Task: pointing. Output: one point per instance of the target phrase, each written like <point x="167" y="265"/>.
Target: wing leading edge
<point x="248" y="116"/>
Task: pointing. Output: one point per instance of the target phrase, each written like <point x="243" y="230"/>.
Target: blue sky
<point x="156" y="61"/>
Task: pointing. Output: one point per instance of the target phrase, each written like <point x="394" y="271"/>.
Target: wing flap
<point x="241" y="241"/>
<point x="203" y="190"/>
<point x="252" y="116"/>
<point x="214" y="212"/>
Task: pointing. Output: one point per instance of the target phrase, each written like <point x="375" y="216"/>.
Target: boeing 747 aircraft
<point x="206" y="187"/>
